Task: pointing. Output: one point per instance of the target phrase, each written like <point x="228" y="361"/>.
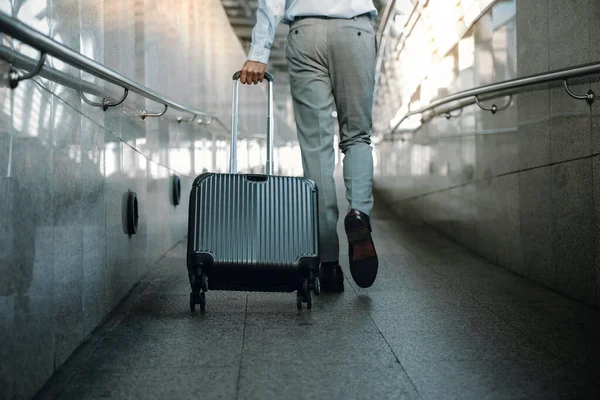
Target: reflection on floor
<point x="440" y="323"/>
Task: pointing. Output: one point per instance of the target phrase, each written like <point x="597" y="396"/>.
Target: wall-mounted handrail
<point x="27" y="63"/>
<point x="46" y="45"/>
<point x="505" y="88"/>
<point x="418" y="6"/>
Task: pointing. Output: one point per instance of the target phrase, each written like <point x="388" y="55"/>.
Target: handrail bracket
<point x="494" y="108"/>
<point x="145" y="114"/>
<point x="180" y="119"/>
<point x="590" y="96"/>
<point x="14" y="78"/>
<point x="449" y="115"/>
<point x="105" y="104"/>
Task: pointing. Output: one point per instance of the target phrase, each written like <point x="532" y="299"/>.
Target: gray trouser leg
<point x="313" y="104"/>
<point x="352" y="58"/>
<point x="327" y="60"/>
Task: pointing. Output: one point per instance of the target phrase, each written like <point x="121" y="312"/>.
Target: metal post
<point x="270" y="129"/>
<point x="234" y="129"/>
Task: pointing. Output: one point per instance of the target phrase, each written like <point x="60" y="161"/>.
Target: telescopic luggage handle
<point x="234" y="124"/>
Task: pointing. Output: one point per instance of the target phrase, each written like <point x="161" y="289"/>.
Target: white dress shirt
<point x="271" y="12"/>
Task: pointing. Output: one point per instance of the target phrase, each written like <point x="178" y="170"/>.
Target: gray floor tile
<point x="171" y="268"/>
<point x="539" y="320"/>
<point x="389" y="282"/>
<point x="460" y="326"/>
<point x="407" y="299"/>
<point x="356" y="320"/>
<point x="273" y="339"/>
<point x="188" y="326"/>
<point x="138" y="351"/>
<point x="497" y="379"/>
<point x="153" y="302"/>
<point x="510" y="289"/>
<point x="341" y="381"/>
<point x="453" y="334"/>
<point x="184" y="382"/>
<point x="463" y="344"/>
<point x="582" y="352"/>
<point x="286" y="303"/>
<point x="435" y="319"/>
<point x="160" y="331"/>
<point x="401" y="272"/>
<point x="174" y="287"/>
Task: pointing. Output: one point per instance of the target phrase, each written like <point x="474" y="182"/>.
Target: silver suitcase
<point x="253" y="232"/>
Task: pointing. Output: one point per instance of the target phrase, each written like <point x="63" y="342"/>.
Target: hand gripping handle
<point x="234" y="123"/>
<point x="238" y="74"/>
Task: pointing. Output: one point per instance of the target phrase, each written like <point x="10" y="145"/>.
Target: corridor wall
<point x="65" y="261"/>
<point x="519" y="187"/>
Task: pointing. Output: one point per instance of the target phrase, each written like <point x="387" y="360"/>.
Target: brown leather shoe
<point x="361" y="249"/>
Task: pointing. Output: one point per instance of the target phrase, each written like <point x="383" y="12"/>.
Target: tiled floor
<point x="440" y="323"/>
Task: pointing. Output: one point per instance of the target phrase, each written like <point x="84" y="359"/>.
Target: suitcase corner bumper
<point x="202" y="177"/>
<point x="196" y="259"/>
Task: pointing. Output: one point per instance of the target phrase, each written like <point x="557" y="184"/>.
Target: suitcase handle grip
<point x="234" y="124"/>
<point x="268" y="76"/>
<point x="257" y="178"/>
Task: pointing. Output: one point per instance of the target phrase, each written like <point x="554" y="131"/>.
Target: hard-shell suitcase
<point x="249" y="232"/>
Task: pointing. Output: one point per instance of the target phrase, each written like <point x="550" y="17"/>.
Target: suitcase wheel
<point x="204" y="281"/>
<point x="202" y="301"/>
<point x="304" y="295"/>
<point x="200" y="298"/>
<point x="192" y="302"/>
<point x="317" y="286"/>
<point x="198" y="294"/>
<point x="199" y="283"/>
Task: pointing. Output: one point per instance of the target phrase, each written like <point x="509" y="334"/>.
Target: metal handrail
<point x="506" y="88"/>
<point x="46" y="45"/>
<point x="27" y="63"/>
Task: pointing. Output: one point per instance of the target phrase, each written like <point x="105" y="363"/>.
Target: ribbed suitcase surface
<point x="253" y="232"/>
<point x="253" y="222"/>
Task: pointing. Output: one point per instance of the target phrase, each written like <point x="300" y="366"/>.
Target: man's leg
<point x="352" y="54"/>
<point x="313" y="103"/>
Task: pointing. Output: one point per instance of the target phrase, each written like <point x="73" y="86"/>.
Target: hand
<point x="253" y="72"/>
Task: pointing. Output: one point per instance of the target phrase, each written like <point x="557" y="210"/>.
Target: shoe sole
<point x="362" y="253"/>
